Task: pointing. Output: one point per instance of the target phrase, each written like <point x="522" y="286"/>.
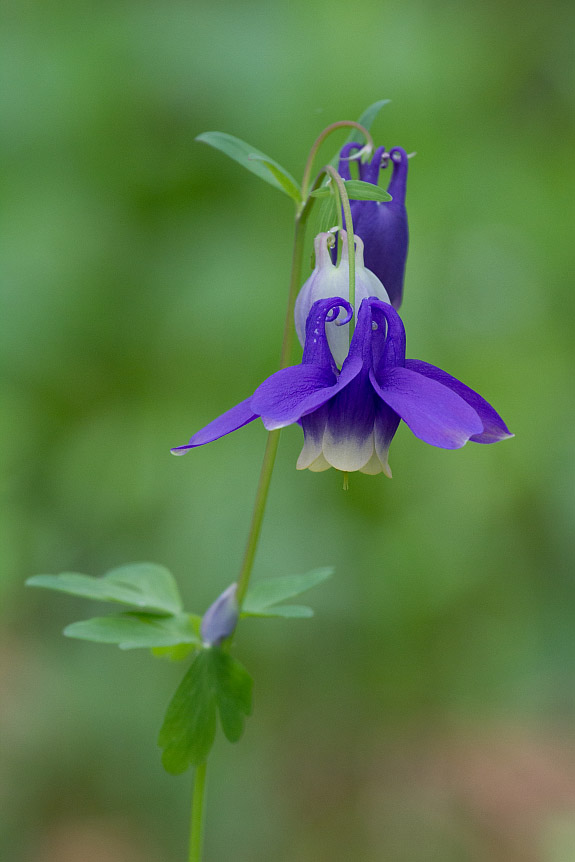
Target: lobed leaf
<point x="134" y="631"/>
<point x="264" y="594"/>
<point x="215" y="682"/>
<point x="253" y="160"/>
<point x="144" y="585"/>
<point x="233" y="686"/>
<point x="189" y="728"/>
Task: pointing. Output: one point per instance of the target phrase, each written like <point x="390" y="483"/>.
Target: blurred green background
<point x="427" y="713"/>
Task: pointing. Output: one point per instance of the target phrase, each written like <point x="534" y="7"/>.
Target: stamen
<point x="346" y="481"/>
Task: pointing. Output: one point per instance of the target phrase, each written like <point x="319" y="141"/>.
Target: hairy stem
<point x="197" y="818"/>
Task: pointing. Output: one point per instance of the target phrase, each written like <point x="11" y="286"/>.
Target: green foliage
<point x="367" y="119"/>
<point x="357" y="190"/>
<point x="286" y="181"/>
<point x="262" y="598"/>
<point x="254" y="161"/>
<point x="215" y="683"/>
<point x="179" y="652"/>
<point x="145" y="585"/>
<point x="133" y="631"/>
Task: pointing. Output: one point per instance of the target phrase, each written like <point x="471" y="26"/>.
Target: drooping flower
<point x="350" y="417"/>
<point x="382" y="225"/>
<point x="328" y="280"/>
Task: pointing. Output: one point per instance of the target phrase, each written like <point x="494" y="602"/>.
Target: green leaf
<point x="357" y="190"/>
<point x="134" y="631"/>
<point x="215" y="681"/>
<point x="144" y="585"/>
<point x="286" y="611"/>
<point x="179" y="652"/>
<point x="264" y="594"/>
<point x="253" y="160"/>
<point x="233" y="687"/>
<point x="286" y="181"/>
<point x="367" y="119"/>
<point x="189" y="728"/>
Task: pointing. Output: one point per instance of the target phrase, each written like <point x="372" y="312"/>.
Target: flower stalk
<point x="197" y="819"/>
<point x="350" y="236"/>
<point x="198" y="813"/>
<point x="288" y="334"/>
<point x="319" y="141"/>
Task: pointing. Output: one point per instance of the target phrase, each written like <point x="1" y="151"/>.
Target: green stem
<point x="197" y="818"/>
<point x="274" y="436"/>
<point x="350" y="237"/>
<point x="258" y="514"/>
<point x="319" y="141"/>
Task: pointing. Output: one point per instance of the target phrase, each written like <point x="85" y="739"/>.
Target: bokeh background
<point x="428" y="711"/>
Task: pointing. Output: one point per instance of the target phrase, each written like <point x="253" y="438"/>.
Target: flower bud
<point x="328" y="280"/>
<point x="221" y="618"/>
<point x="382" y="225"/>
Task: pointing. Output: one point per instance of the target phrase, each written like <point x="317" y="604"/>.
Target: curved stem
<point x="258" y="514"/>
<point x="350" y="237"/>
<point x="197" y="818"/>
<point x="319" y="141"/>
<point x="274" y="436"/>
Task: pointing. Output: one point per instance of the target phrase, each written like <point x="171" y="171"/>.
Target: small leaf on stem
<point x="144" y="585"/>
<point x="214" y="682"/>
<point x="253" y="160"/>
<point x="286" y="181"/>
<point x="357" y="190"/>
<point x="263" y="597"/>
<point x="135" y="631"/>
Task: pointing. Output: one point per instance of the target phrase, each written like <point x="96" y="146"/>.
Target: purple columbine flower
<point x="329" y="280"/>
<point x="349" y="417"/>
<point x="221" y="618"/>
<point x="382" y="225"/>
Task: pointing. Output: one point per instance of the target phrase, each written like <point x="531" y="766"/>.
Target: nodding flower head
<point x="329" y="280"/>
<point x="382" y="225"/>
<point x="350" y="417"/>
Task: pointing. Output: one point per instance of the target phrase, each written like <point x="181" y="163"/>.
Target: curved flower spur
<point x="350" y="417"/>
